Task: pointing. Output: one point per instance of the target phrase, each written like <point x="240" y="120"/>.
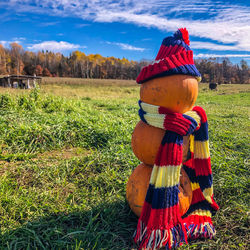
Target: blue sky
<point x="124" y="28"/>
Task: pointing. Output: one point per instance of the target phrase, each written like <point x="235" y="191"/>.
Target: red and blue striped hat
<point x="174" y="57"/>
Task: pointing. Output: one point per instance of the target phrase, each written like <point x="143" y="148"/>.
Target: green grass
<point x="65" y="158"/>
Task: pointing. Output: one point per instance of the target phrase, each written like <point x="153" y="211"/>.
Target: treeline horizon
<point x="16" y="60"/>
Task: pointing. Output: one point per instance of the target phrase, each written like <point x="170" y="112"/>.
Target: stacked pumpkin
<point x="177" y="93"/>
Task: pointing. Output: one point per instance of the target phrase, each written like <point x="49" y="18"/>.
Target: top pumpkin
<point x="178" y="93"/>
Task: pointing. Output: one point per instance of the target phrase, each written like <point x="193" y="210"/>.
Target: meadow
<point x="65" y="158"/>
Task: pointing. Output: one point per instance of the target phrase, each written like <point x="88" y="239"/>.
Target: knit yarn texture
<point x="160" y="223"/>
<point x="174" y="57"/>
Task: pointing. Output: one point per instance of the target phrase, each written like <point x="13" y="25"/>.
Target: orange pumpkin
<point x="146" y="141"/>
<point x="176" y="92"/>
<point x="138" y="184"/>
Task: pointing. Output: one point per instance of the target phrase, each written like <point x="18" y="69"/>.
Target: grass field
<point x="65" y="158"/>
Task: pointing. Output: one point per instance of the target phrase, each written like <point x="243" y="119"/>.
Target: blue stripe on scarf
<point x="172" y="137"/>
<point x="205" y="181"/>
<point x="202" y="133"/>
<point x="141" y="112"/>
<point x="193" y="124"/>
<point x="190" y="172"/>
<point x="161" y="198"/>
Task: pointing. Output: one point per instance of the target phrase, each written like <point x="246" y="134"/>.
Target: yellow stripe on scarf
<point x="156" y="120"/>
<point x="165" y="176"/>
<point x="208" y="192"/>
<point x="194" y="185"/>
<point x="194" y="115"/>
<point x="201" y="148"/>
<point x="151" y="109"/>
<point x="202" y="213"/>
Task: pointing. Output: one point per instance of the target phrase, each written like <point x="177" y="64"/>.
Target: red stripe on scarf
<point x="169" y="217"/>
<point x="197" y="219"/>
<point x="203" y="166"/>
<point x="176" y="123"/>
<point x="197" y="196"/>
<point x="201" y="112"/>
<point x="169" y="154"/>
<point x="190" y="162"/>
<point x="214" y="204"/>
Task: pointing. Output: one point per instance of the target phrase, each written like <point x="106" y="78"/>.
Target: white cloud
<point x="216" y="20"/>
<point x="201" y="55"/>
<point x="214" y="46"/>
<point x="7" y="43"/>
<point x="4" y="43"/>
<point x="54" y="46"/>
<point x="125" y="46"/>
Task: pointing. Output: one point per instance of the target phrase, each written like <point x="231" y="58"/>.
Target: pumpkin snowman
<point x="177" y="93"/>
<point x="159" y="190"/>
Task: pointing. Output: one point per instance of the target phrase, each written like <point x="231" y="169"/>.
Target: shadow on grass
<point x="108" y="226"/>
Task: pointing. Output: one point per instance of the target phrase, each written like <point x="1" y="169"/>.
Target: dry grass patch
<point x="88" y="82"/>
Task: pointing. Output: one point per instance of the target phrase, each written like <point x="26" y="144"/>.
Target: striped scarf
<point x="160" y="223"/>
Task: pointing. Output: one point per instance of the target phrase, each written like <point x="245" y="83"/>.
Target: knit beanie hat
<point x="174" y="57"/>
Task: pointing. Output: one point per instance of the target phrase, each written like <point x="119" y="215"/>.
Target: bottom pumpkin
<point x="137" y="187"/>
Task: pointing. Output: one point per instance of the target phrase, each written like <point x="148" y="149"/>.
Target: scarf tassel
<point x="157" y="238"/>
<point x="204" y="230"/>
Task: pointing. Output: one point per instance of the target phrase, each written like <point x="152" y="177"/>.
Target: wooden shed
<point x="20" y="81"/>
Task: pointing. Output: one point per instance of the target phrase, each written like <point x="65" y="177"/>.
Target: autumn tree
<point x="39" y="70"/>
<point x="15" y="60"/>
<point x="46" y="72"/>
<point x="16" y="53"/>
<point x="3" y="60"/>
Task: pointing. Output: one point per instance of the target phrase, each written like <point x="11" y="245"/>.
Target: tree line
<point x="15" y="60"/>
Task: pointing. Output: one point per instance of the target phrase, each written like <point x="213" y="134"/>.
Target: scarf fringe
<point x="203" y="230"/>
<point x="157" y="238"/>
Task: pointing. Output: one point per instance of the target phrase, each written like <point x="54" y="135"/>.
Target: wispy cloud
<point x="54" y="46"/>
<point x="216" y="20"/>
<point x="81" y="25"/>
<point x="46" y="24"/>
<point x="217" y="47"/>
<point x="201" y="55"/>
<point x="19" y="39"/>
<point x="125" y="46"/>
<point x="146" y="39"/>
